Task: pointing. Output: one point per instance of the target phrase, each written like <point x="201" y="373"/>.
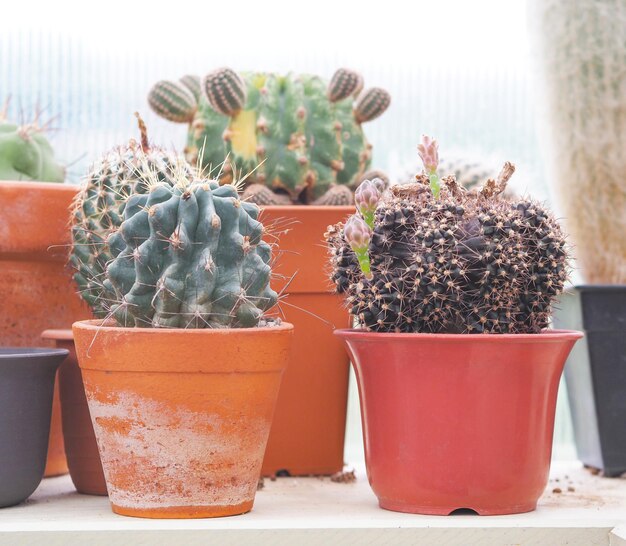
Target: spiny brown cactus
<point x="431" y="256"/>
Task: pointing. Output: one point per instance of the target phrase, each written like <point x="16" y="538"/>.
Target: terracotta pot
<point x="181" y="416"/>
<point x="37" y="290"/>
<point x="308" y="431"/>
<point x="83" y="458"/>
<point x="455" y="421"/>
<point x="26" y="386"/>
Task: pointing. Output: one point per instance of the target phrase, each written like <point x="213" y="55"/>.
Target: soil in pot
<point x="81" y="448"/>
<point x="26" y="386"/>
<point x="458" y="421"/>
<point x="181" y="416"/>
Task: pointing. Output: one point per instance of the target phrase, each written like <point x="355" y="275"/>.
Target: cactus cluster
<point x="99" y="208"/>
<point x="25" y="152"/>
<point x="156" y="245"/>
<point x="431" y="256"/>
<point x="300" y="139"/>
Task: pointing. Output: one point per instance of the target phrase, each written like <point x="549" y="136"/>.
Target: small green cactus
<point x="25" y="153"/>
<point x="297" y="136"/>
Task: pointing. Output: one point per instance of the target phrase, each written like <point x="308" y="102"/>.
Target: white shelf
<point x="317" y="511"/>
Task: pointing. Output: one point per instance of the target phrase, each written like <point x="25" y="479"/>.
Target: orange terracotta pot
<point x="181" y="416"/>
<point x="37" y="290"/>
<point x="308" y="431"/>
<point x="81" y="448"/>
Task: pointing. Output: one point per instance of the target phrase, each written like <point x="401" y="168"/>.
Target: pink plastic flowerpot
<point x="456" y="421"/>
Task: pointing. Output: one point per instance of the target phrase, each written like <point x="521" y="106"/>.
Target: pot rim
<point x="25" y="353"/>
<point x="34" y="184"/>
<point x="58" y="334"/>
<point x="595" y="287"/>
<point x="308" y="208"/>
<point x="95" y="325"/>
<point x="547" y="335"/>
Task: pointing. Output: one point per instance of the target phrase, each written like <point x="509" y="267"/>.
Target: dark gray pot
<point x="595" y="373"/>
<point x="26" y="387"/>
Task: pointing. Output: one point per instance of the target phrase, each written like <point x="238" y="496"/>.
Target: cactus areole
<point x="443" y="259"/>
<point x="298" y="136"/>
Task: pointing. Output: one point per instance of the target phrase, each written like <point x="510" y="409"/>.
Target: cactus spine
<point x="297" y="136"/>
<point x="435" y="257"/>
<point x="583" y="60"/>
<point x="25" y="153"/>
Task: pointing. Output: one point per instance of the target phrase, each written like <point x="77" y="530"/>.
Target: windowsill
<point x="318" y="511"/>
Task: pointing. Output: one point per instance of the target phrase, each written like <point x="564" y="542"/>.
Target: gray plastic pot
<point x="595" y="373"/>
<point x="26" y="387"/>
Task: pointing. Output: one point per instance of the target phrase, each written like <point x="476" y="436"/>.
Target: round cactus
<point x="189" y="256"/>
<point x="296" y="135"/>
<point x="370" y="104"/>
<point x="225" y="90"/>
<point x="25" y="153"/>
<point x="460" y="262"/>
<point x="344" y="83"/>
<point x="99" y="208"/>
<point x="173" y="101"/>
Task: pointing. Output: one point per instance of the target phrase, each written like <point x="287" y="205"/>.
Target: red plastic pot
<point x="456" y="421"/>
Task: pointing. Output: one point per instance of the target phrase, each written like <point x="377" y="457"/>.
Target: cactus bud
<point x="358" y="235"/>
<point x="366" y="198"/>
<point x="428" y="151"/>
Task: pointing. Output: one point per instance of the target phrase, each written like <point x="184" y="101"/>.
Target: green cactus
<point x="99" y="208"/>
<point x="189" y="256"/>
<point x="296" y="135"/>
<point x="26" y="154"/>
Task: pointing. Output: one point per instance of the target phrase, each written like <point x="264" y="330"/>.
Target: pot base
<point x="449" y="510"/>
<point x="184" y="512"/>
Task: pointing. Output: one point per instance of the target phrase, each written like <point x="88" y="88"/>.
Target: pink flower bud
<point x="357" y="233"/>
<point x="366" y="198"/>
<point x="380" y="185"/>
<point x="429" y="152"/>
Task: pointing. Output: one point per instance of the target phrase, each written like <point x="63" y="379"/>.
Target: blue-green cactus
<point x="189" y="256"/>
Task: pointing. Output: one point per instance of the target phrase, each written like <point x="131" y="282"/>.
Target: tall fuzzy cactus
<point x="582" y="55"/>
<point x="154" y="245"/>
<point x="25" y="152"/>
<point x="431" y="256"/>
<point x="300" y="138"/>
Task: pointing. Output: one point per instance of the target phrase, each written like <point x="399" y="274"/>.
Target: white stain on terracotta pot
<point x="154" y="457"/>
